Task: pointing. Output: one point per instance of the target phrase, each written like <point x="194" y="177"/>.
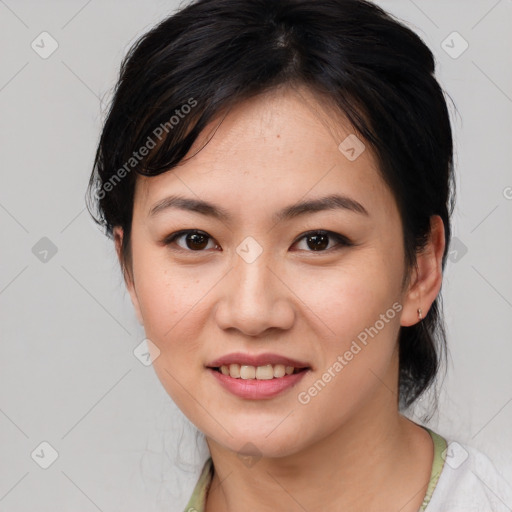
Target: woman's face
<point x="251" y="283"/>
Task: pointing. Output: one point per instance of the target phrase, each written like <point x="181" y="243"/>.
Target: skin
<point x="348" y="448"/>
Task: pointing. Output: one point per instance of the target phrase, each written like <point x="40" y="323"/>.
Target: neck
<point x="369" y="463"/>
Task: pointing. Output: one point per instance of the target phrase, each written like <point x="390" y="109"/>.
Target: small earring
<point x="420" y="316"/>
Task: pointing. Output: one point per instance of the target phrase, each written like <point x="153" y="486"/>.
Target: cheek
<point x="351" y="297"/>
<point x="170" y="297"/>
<point x="358" y="311"/>
<point x="173" y="308"/>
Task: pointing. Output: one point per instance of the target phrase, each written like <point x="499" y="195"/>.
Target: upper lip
<point x="256" y="360"/>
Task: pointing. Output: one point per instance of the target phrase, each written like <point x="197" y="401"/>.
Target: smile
<point x="254" y="388"/>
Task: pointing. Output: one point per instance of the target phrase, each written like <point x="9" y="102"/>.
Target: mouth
<point x="264" y="372"/>
<point x="267" y="366"/>
<point x="266" y="378"/>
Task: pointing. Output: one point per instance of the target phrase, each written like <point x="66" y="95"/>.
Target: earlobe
<point x="427" y="277"/>
<point x="130" y="285"/>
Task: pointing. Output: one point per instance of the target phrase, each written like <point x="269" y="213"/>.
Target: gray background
<point x="68" y="373"/>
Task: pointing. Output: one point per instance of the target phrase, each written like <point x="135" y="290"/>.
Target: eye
<point x="194" y="240"/>
<point x="318" y="241"/>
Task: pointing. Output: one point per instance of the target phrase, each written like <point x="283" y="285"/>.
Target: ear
<point x="130" y="285"/>
<point x="426" y="278"/>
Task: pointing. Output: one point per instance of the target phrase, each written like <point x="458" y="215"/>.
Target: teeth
<point x="279" y="370"/>
<point x="234" y="371"/>
<point x="247" y="372"/>
<point x="266" y="372"/>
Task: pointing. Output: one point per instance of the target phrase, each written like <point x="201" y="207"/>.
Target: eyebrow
<point x="331" y="202"/>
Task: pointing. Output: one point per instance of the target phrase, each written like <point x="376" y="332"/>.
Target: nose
<point x="255" y="299"/>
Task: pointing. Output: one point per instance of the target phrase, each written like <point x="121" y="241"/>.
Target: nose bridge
<point x="254" y="289"/>
<point x="253" y="280"/>
<point x="251" y="272"/>
<point x="256" y="299"/>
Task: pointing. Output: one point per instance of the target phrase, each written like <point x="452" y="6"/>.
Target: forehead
<point x="280" y="146"/>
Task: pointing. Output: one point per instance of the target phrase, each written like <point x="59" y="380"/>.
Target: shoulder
<point x="469" y="482"/>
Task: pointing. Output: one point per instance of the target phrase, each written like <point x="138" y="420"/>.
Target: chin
<point x="257" y="442"/>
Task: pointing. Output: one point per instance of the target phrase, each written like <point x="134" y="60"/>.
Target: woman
<point x="277" y="176"/>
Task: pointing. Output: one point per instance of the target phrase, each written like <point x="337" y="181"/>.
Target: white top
<point x="469" y="482"/>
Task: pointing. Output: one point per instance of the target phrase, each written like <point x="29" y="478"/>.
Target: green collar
<point x="440" y="445"/>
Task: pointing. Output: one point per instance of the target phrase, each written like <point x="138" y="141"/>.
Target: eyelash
<point x="342" y="241"/>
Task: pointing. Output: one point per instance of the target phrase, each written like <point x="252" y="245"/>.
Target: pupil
<point x="316" y="242"/>
<point x="197" y="240"/>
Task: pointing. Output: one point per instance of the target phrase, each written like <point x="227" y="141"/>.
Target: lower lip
<point x="255" y="389"/>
